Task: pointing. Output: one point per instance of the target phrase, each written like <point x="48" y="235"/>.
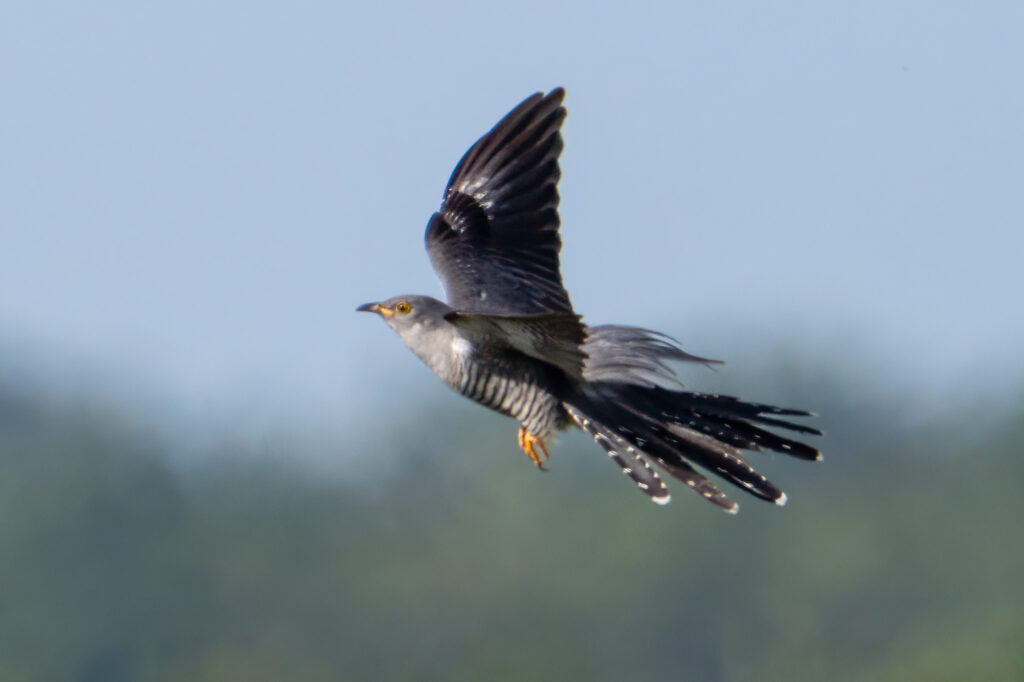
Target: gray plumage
<point x="509" y="339"/>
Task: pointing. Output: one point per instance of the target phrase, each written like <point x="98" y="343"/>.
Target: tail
<point x="639" y="421"/>
<point x="624" y="453"/>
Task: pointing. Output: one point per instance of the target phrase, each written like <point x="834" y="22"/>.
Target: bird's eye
<point x="403" y="308"/>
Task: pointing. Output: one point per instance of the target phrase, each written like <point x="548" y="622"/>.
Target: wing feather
<point x="554" y="338"/>
<point x="494" y="244"/>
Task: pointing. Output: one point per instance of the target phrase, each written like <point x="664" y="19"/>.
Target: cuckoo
<point x="509" y="339"/>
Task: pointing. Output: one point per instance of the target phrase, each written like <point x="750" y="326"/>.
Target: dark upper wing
<point x="494" y="244"/>
<point x="555" y="338"/>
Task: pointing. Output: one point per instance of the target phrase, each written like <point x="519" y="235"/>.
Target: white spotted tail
<point x="632" y="462"/>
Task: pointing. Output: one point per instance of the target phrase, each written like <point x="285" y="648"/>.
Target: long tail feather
<point x="630" y="460"/>
<point x="679" y="429"/>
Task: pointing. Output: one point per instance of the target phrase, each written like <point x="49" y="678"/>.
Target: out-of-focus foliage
<point x="893" y="561"/>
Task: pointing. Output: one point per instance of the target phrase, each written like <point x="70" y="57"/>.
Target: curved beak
<point x="375" y="308"/>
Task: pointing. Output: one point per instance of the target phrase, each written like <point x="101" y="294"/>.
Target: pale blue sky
<point x="195" y="196"/>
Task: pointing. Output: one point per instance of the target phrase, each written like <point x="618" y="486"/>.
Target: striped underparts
<point x="515" y="388"/>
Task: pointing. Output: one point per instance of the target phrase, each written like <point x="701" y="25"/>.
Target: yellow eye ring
<point x="403" y="308"/>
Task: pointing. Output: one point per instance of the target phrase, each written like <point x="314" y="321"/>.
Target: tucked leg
<point x="529" y="444"/>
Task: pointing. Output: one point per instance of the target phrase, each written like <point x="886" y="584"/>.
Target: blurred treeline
<point x="446" y="556"/>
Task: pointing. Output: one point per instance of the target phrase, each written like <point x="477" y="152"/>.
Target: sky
<point x="194" y="197"/>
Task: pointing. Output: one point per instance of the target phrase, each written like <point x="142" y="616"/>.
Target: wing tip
<point x="557" y="93"/>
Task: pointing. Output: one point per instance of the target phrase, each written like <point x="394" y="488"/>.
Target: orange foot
<point x="529" y="443"/>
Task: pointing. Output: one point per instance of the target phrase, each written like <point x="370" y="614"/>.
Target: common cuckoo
<point x="508" y="337"/>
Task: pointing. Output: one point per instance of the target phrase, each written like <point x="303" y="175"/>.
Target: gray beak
<point x="375" y="308"/>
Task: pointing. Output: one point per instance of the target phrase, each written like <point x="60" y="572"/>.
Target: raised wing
<point x="494" y="244"/>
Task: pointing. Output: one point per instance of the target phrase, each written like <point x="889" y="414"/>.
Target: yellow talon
<point x="529" y="444"/>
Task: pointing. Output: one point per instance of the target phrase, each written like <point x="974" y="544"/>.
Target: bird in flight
<point x="508" y="337"/>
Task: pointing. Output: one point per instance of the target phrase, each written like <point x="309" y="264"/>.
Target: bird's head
<point x="410" y="314"/>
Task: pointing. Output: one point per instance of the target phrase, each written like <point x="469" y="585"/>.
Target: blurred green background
<point x="448" y="556"/>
